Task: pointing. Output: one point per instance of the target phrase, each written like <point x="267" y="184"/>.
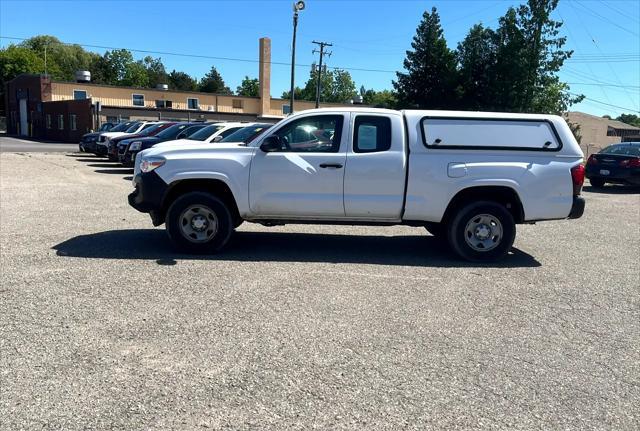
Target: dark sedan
<point x="88" y="140"/>
<point x="152" y="130"/>
<point x="128" y="148"/>
<point x="618" y="164"/>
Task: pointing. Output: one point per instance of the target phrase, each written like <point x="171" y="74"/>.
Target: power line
<point x="615" y="9"/>
<point x="601" y="102"/>
<point x="597" y="15"/>
<point x="208" y="57"/>
<point x="615" y="75"/>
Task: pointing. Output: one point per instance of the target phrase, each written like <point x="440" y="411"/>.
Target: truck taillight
<point x="577" y="176"/>
<point x="592" y="160"/>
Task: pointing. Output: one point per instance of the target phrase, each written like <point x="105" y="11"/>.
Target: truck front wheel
<point x="482" y="231"/>
<point x="198" y="222"/>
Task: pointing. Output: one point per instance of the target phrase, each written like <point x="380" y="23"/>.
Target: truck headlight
<point x="151" y="163"/>
<point x="135" y="146"/>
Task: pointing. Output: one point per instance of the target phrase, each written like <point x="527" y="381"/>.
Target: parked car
<point x="247" y="133"/>
<point x="112" y="148"/>
<point x="103" y="141"/>
<point x="88" y="140"/>
<point x="129" y="147"/>
<point x="467" y="176"/>
<point x="213" y="132"/>
<point x="618" y="164"/>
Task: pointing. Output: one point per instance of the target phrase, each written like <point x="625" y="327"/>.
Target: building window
<point x="286" y="109"/>
<point x="61" y="122"/>
<point x="193" y="104"/>
<point x="79" y="94"/>
<point x="237" y="103"/>
<point x="164" y="104"/>
<point x="137" y="99"/>
<point x="73" y="121"/>
<point x="48" y="121"/>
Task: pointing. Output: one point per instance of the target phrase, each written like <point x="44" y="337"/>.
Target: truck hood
<point x="110" y="135"/>
<point x="186" y="146"/>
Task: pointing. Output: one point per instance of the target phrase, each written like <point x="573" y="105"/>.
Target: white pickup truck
<point x="469" y="177"/>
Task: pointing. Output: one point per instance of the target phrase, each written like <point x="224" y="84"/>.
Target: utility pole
<point x="297" y="7"/>
<point x="319" y="79"/>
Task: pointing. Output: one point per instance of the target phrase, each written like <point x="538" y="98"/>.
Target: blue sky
<point x="370" y="35"/>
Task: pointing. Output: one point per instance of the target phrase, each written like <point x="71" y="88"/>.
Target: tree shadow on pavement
<point x="613" y="189"/>
<point x="418" y="250"/>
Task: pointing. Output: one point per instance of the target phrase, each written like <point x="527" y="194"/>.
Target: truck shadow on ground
<point x="152" y="244"/>
<point x="613" y="190"/>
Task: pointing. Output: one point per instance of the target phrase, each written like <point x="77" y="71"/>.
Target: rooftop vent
<point x="163" y="87"/>
<point x="83" y="76"/>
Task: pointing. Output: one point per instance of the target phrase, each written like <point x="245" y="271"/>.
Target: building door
<point x="24" y="128"/>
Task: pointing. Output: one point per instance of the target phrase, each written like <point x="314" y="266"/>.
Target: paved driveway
<point x="102" y="326"/>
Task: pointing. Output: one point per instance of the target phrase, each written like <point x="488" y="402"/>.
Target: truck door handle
<point x="330" y="165"/>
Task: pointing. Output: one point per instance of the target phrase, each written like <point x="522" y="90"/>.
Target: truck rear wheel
<point x="198" y="222"/>
<point x="482" y="231"/>
<point x="597" y="182"/>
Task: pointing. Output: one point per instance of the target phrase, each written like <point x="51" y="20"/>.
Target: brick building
<point x="40" y="107"/>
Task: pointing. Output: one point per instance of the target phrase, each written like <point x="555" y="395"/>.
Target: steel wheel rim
<point x="198" y="224"/>
<point x="483" y="232"/>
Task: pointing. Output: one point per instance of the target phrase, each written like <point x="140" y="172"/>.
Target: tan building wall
<point x="593" y="131"/>
<point x="122" y="97"/>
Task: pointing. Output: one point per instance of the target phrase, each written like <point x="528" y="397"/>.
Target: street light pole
<point x="297" y="7"/>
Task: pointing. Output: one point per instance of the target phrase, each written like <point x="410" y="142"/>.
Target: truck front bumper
<point x="148" y="195"/>
<point x="577" y="209"/>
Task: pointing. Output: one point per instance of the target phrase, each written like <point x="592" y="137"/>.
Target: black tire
<point x="498" y="245"/>
<point x="177" y="214"/>
<point x="597" y="182"/>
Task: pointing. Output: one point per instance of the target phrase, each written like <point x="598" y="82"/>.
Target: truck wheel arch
<point x="501" y="194"/>
<point x="215" y="187"/>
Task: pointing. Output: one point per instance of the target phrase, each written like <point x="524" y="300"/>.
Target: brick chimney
<point x="264" y="76"/>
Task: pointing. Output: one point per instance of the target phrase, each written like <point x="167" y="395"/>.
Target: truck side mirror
<point x="217" y="138"/>
<point x="271" y="143"/>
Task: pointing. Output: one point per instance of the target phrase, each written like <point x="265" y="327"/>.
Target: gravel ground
<point x="297" y="327"/>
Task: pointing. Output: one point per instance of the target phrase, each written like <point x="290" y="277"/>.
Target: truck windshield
<point x="247" y="134"/>
<point x="206" y="132"/>
<point x="133" y="128"/>
<point x="172" y="131"/>
<point x="121" y="127"/>
<point x="152" y="129"/>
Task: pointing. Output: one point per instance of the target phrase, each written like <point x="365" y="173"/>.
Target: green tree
<point x="337" y="87"/>
<point x="631" y="119"/>
<point x="182" y="81"/>
<point x="156" y="72"/>
<point x="15" y="60"/>
<point x="248" y="87"/>
<point x="378" y="99"/>
<point x="430" y="66"/>
<point x="135" y="75"/>
<point x="529" y="56"/>
<point x="113" y="66"/>
<point x="212" y="82"/>
<point x="476" y="56"/>
<point x="63" y="60"/>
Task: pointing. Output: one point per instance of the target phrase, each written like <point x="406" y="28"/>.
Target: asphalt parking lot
<point x="102" y="326"/>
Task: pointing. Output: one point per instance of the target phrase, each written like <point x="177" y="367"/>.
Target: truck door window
<point x="316" y="134"/>
<point x="371" y="134"/>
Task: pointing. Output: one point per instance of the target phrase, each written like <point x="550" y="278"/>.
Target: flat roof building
<point x="599" y="132"/>
<point x="41" y="107"/>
